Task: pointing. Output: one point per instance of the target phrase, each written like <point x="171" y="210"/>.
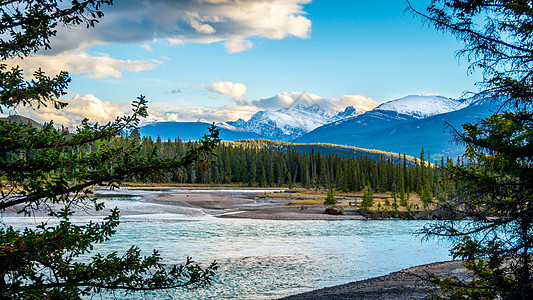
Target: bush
<point x="334" y="211"/>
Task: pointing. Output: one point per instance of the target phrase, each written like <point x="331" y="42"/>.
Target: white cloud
<point x="235" y="90"/>
<point x="231" y="22"/>
<point x="190" y="21"/>
<point x="357" y="101"/>
<point x="96" y="110"/>
<point x="94" y="66"/>
<point x="170" y="112"/>
<point x="197" y="23"/>
<point x="79" y="107"/>
<point x="332" y="105"/>
<point x="147" y="48"/>
<point x="282" y="100"/>
<point x="237" y="45"/>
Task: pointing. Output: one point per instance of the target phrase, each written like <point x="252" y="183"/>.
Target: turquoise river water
<point x="262" y="259"/>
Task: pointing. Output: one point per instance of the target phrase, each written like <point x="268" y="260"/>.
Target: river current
<point x="263" y="259"/>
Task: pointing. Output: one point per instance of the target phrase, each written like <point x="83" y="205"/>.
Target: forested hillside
<point x="324" y="149"/>
<point x="267" y="164"/>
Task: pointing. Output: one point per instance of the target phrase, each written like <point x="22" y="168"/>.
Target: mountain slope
<point x="370" y="121"/>
<point x="408" y="137"/>
<point x="285" y="124"/>
<point x="304" y="113"/>
<point x="392" y="113"/>
<point x="188" y="131"/>
<point x="22" y="120"/>
<point x="322" y="148"/>
<point x="422" y="106"/>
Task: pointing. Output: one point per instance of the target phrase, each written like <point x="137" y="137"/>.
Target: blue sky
<point x="219" y="60"/>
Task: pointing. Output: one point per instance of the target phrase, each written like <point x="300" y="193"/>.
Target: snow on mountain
<point x="227" y="126"/>
<point x="285" y="124"/>
<point x="406" y="131"/>
<point x="422" y="106"/>
<point x="349" y="112"/>
<point x="287" y="116"/>
<point x="309" y="118"/>
<point x="289" y="123"/>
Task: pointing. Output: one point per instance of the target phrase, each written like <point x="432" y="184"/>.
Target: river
<point x="266" y="259"/>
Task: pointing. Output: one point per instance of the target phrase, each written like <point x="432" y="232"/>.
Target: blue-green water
<point x="269" y="259"/>
<point x="261" y="259"/>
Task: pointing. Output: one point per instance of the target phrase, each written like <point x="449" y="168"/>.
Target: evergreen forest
<point x="261" y="163"/>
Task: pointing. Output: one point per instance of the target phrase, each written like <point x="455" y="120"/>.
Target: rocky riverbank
<point x="405" y="284"/>
<point x="277" y="204"/>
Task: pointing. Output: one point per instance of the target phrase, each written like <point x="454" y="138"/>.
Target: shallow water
<point x="262" y="259"/>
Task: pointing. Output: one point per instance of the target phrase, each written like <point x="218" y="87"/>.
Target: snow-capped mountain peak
<point x="292" y="122"/>
<point x="349" y="112"/>
<point x="309" y="112"/>
<point x="285" y="124"/>
<point x="422" y="106"/>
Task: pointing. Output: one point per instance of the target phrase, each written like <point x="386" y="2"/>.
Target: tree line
<point x="257" y="164"/>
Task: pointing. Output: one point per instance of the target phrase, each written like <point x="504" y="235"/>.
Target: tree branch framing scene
<point x="266" y="149"/>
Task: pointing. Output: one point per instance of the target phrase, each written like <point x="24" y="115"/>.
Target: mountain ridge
<point x="403" y="125"/>
<point x="288" y="123"/>
<point x="411" y="135"/>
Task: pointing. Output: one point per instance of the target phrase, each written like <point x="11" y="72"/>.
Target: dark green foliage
<point x="43" y="90"/>
<point x="330" y="198"/>
<point x="332" y="210"/>
<point x="256" y="164"/>
<point x="45" y="165"/>
<point x="492" y="279"/>
<point x="498" y="41"/>
<point x="29" y="258"/>
<point x="495" y="191"/>
<point x="494" y="188"/>
<point x="368" y="199"/>
<point x="29" y="25"/>
<point x="403" y="199"/>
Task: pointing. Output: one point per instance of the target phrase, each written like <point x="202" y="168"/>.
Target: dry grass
<point x="311" y="197"/>
<point x="307" y="202"/>
<point x="299" y="197"/>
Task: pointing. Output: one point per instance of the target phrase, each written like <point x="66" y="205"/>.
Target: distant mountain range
<point x="286" y="124"/>
<point x="188" y="131"/>
<point x="407" y="131"/>
<point x="403" y="125"/>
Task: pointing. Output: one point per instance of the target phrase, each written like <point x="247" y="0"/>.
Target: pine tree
<point x="47" y="165"/>
<point x="330" y="198"/>
<point x="368" y="199"/>
<point x="263" y="180"/>
<point x="494" y="186"/>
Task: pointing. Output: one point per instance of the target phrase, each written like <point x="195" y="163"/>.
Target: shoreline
<point x="254" y="203"/>
<point x="260" y="203"/>
<point x="404" y="284"/>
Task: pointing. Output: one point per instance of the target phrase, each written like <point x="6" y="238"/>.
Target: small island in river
<point x="290" y="204"/>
